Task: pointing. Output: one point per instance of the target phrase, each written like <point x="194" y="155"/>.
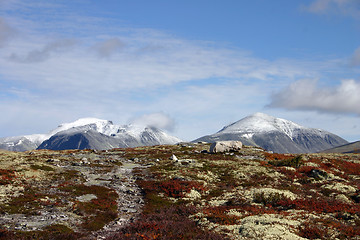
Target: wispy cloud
<point x="309" y="95"/>
<point x="344" y="7"/>
<point x="6" y="32"/>
<point x="135" y="65"/>
<point x="355" y="59"/>
<point x="45" y="52"/>
<point x="108" y="47"/>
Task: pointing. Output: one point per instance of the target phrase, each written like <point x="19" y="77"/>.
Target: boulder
<point x="225" y="146"/>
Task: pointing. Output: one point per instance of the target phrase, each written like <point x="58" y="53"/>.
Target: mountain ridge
<point x="353" y="147"/>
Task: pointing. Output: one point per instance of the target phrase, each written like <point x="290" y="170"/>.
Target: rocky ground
<point x="178" y="192"/>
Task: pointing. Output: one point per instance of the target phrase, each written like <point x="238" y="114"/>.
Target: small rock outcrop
<point x="225" y="146"/>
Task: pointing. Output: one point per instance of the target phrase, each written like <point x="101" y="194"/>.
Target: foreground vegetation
<point x="250" y="194"/>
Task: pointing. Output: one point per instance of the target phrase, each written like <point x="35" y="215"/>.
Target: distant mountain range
<point x="272" y="134"/>
<point x="276" y="134"/>
<point x="90" y="133"/>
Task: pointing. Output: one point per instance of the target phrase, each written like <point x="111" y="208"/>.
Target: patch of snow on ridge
<point x="99" y="123"/>
<point x="37" y="138"/>
<point x="248" y="135"/>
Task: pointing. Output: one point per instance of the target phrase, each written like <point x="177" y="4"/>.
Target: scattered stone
<point x="318" y="174"/>
<point x="86" y="198"/>
<point x="174" y="158"/>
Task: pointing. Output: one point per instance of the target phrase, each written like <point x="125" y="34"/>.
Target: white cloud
<point x="308" y="95"/>
<point x="344" y="7"/>
<point x="159" y="120"/>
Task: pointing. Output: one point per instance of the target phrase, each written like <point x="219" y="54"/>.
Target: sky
<point x="188" y="67"/>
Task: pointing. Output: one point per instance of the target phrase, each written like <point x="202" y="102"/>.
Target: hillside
<point x="148" y="193"/>
<point x="353" y="147"/>
<point x="276" y="134"/>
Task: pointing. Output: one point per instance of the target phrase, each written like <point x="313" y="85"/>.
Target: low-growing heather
<point x="172" y="188"/>
<point x="6" y="176"/>
<point x="166" y="223"/>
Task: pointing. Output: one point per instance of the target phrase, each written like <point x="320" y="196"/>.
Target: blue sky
<point x="194" y="66"/>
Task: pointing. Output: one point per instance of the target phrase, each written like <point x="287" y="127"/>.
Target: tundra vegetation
<point x="145" y="193"/>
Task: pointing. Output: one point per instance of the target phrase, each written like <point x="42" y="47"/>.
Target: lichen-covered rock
<point x="225" y="146"/>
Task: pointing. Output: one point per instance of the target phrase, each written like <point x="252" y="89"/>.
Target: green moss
<point x="269" y="199"/>
<point x="295" y="162"/>
<point x="97" y="212"/>
<point x="27" y="203"/>
<point x="99" y="221"/>
<point x="70" y="175"/>
<point x="41" y="167"/>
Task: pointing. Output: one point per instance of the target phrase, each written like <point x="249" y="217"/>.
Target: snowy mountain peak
<point x="275" y="134"/>
<point x="261" y="122"/>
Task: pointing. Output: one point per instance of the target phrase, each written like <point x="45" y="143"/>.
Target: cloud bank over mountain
<point x="308" y="95"/>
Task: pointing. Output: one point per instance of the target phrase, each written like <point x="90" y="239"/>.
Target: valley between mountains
<point x="156" y="187"/>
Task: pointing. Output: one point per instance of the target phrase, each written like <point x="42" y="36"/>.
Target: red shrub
<point x="166" y="223"/>
<point x="319" y="206"/>
<point x="6" y="176"/>
<point x="305" y="169"/>
<point x="311" y="231"/>
<point x="350" y="167"/>
<point x="218" y="215"/>
<point x="172" y="188"/>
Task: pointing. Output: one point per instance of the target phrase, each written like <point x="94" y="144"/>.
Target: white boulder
<point x="225" y="146"/>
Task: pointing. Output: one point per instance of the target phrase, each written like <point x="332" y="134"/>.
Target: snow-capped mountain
<point x="90" y="133"/>
<point x="276" y="134"/>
